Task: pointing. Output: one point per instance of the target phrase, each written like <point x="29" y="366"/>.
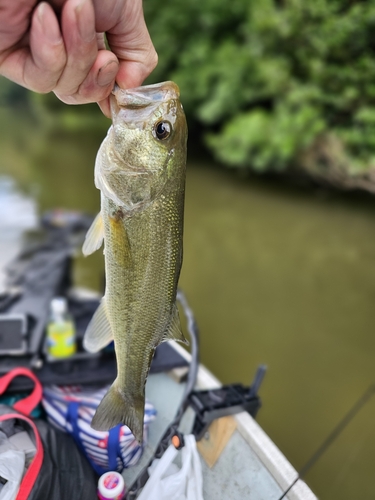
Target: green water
<point x="276" y="273"/>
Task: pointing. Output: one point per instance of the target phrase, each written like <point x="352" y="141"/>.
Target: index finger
<point x="128" y="38"/>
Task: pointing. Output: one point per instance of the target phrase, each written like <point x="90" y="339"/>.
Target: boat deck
<point x="250" y="466"/>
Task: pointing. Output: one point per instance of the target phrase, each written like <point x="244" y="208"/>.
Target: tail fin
<point x="118" y="408"/>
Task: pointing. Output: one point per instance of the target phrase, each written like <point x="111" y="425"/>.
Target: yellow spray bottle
<point x="61" y="338"/>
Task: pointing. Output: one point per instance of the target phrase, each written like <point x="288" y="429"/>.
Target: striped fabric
<point x="71" y="408"/>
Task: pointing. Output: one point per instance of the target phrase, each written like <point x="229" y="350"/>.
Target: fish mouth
<point x="141" y="97"/>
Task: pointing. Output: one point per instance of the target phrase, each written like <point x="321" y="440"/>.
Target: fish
<point x="140" y="170"/>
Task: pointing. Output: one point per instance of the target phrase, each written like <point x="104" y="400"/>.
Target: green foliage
<point x="47" y="111"/>
<point x="70" y="119"/>
<point x="12" y="95"/>
<point x="266" y="79"/>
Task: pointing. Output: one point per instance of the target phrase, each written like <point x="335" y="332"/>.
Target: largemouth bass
<point x="140" y="171"/>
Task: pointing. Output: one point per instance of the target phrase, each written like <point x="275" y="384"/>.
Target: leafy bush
<point x="12" y="95"/>
<point x="268" y="80"/>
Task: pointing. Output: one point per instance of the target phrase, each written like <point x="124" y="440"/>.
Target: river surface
<point x="277" y="273"/>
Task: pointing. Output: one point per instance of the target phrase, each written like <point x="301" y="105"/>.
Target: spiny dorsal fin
<point x="94" y="236"/>
<point x="99" y="332"/>
<point x="174" y="331"/>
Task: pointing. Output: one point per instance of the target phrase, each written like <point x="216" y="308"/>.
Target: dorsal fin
<point x="174" y="331"/>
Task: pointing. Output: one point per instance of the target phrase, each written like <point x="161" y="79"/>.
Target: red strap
<point x="26" y="405"/>
<point x="35" y="466"/>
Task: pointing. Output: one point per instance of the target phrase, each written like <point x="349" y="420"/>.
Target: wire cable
<point x="164" y="442"/>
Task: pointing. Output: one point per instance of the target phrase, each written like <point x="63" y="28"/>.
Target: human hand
<point x="59" y="46"/>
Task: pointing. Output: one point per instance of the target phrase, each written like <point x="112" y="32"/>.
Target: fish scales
<point x="140" y="171"/>
<point x="152" y="273"/>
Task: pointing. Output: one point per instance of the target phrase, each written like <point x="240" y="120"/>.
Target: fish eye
<point x="162" y="130"/>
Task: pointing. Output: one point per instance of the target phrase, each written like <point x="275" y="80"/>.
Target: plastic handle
<point x="26" y="405"/>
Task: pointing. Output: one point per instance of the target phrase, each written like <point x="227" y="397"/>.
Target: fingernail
<point x="50" y="29"/>
<point x="85" y="20"/>
<point x="40" y="11"/>
<point x="107" y="73"/>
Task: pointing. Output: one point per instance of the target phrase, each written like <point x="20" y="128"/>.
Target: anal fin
<point x="98" y="333"/>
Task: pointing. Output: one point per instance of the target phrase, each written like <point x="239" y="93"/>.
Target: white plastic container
<point x="111" y="486"/>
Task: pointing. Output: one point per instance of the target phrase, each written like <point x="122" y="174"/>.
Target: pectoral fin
<point x="94" y="236"/>
<point x="121" y="251"/>
<point x="98" y="333"/>
<point x="174" y="331"/>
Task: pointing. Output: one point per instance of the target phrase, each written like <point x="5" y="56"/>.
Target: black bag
<point x="58" y="470"/>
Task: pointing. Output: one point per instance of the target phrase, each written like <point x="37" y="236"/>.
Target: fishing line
<point x="364" y="399"/>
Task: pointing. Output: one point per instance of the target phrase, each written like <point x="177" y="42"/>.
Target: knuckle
<point x="91" y="93"/>
<point x="46" y="89"/>
<point x="66" y="98"/>
<point x="154" y="58"/>
<point x="41" y="86"/>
